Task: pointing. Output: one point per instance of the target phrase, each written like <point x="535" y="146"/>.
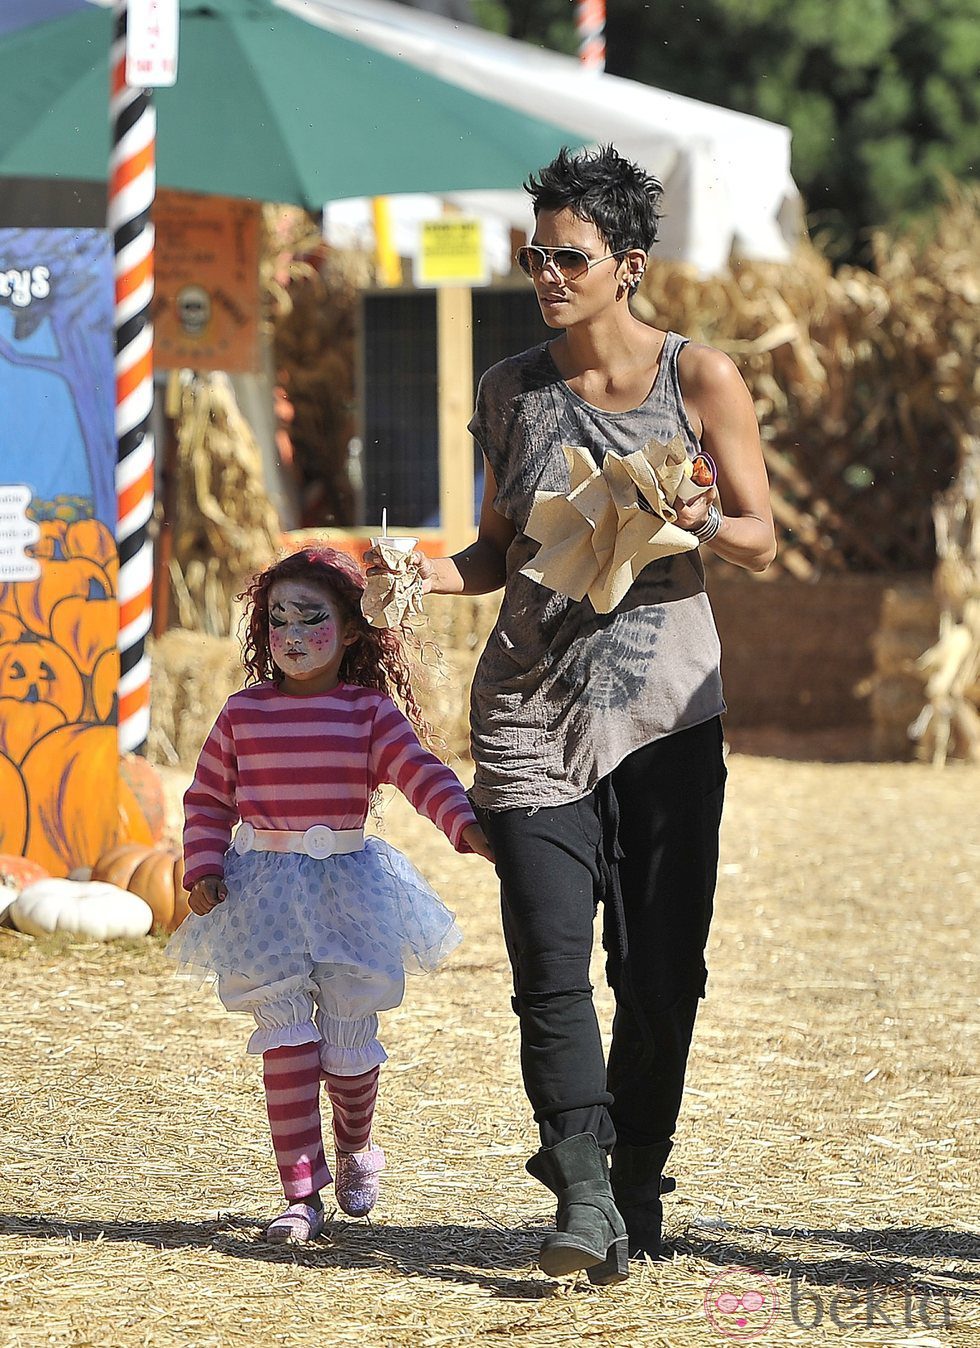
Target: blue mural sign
<point x="57" y="379"/>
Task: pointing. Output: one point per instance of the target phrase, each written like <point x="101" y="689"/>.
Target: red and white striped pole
<point x="590" y="25"/>
<point x="132" y="184"/>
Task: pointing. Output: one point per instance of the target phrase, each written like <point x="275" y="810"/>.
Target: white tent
<point x="728" y="188"/>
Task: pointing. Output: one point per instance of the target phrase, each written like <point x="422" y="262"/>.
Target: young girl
<point x="308" y="925"/>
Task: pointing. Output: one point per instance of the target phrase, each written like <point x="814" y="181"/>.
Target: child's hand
<point x="209" y="891"/>
<point x="473" y="835"/>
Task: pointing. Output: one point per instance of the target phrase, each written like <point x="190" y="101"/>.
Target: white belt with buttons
<point x="319" y="841"/>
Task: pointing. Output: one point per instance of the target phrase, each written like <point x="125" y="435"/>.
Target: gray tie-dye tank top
<point x="562" y="694"/>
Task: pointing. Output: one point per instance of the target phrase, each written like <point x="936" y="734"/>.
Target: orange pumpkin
<point x="23" y="723"/>
<point x="39" y="670"/>
<point x="154" y="873"/>
<point x="118" y="865"/>
<point x="13" y="815"/>
<point x="158" y="881"/>
<point x="71" y="777"/>
<point x="20" y="872"/>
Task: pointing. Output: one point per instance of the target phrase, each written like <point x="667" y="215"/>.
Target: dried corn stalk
<point x="940" y="288"/>
<point x="315" y="293"/>
<point x="226" y="528"/>
<point x="949" y="721"/>
<point x="862" y="382"/>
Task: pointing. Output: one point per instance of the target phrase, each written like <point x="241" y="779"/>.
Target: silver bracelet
<point x="706" y="531"/>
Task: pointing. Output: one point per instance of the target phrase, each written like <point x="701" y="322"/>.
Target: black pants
<point x="644" y="842"/>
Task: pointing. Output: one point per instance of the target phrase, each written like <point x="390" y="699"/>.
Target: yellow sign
<point x="451" y="253"/>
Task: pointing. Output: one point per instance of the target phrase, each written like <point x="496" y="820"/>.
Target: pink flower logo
<point x="741" y="1303"/>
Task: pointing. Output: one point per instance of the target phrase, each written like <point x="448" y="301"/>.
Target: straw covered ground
<point x="828" y="1148"/>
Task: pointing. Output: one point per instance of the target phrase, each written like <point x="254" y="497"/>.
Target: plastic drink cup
<point x="401" y="546"/>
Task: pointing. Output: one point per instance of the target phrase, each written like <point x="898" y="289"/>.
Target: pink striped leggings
<point x="292" y="1077"/>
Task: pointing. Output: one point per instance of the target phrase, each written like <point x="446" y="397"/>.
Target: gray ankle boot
<point x="591" y="1233"/>
<point x="637" y="1184"/>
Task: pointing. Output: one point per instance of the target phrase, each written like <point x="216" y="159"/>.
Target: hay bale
<point x="458" y="626"/>
<point x="459" y="623"/>
<point x="897" y="650"/>
<point x="445" y="700"/>
<point x="192" y="676"/>
<point x="911" y="604"/>
<point x="895" y="703"/>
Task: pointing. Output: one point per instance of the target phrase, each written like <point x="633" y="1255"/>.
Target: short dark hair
<point x="613" y="193"/>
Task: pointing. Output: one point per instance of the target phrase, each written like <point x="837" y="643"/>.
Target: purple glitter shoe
<point x="356" y="1181"/>
<point x="296" y="1226"/>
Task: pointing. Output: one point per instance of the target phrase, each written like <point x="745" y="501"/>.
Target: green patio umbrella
<point x="266" y="105"/>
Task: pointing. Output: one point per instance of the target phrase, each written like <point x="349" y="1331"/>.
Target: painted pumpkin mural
<point x="64" y="800"/>
<point x="23" y="723"/>
<point x="35" y="669"/>
<point x="58" y="676"/>
<point x="13" y="816"/>
<point x="59" y="759"/>
<point x="11" y="627"/>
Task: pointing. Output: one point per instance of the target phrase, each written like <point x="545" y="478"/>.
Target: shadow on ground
<point x="494" y="1258"/>
<point x="887" y="1266"/>
<point x="498" y="1259"/>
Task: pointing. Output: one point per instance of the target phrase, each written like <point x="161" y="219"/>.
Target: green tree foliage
<point x="882" y="96"/>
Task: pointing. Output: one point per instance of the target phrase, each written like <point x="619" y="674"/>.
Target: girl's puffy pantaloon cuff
<point x="350" y="1047"/>
<point x="282" y="1036"/>
<point x="283" y="1011"/>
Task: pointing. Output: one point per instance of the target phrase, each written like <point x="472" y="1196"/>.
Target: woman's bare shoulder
<point x="705" y="369"/>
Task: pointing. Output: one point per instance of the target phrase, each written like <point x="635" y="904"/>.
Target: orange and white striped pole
<point x="590" y="25"/>
<point x="132" y="185"/>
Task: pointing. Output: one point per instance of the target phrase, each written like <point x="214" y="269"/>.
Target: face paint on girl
<point x="308" y="635"/>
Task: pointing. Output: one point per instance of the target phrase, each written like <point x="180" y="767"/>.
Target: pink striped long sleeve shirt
<point x="283" y="762"/>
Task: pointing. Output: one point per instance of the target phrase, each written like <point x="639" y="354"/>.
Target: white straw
<point x="384" y="522"/>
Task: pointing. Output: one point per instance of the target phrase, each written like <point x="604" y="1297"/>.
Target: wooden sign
<point x="206" y="307"/>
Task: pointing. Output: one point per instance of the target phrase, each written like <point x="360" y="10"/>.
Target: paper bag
<point x="394" y="598"/>
<point x="597" y="538"/>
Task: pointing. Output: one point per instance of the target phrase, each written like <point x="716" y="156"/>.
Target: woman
<point x="597" y="736"/>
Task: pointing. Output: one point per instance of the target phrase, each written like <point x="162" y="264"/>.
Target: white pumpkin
<point x="93" y="909"/>
<point x="8" y="893"/>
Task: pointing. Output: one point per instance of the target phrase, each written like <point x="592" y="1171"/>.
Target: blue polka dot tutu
<point x="370" y="910"/>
